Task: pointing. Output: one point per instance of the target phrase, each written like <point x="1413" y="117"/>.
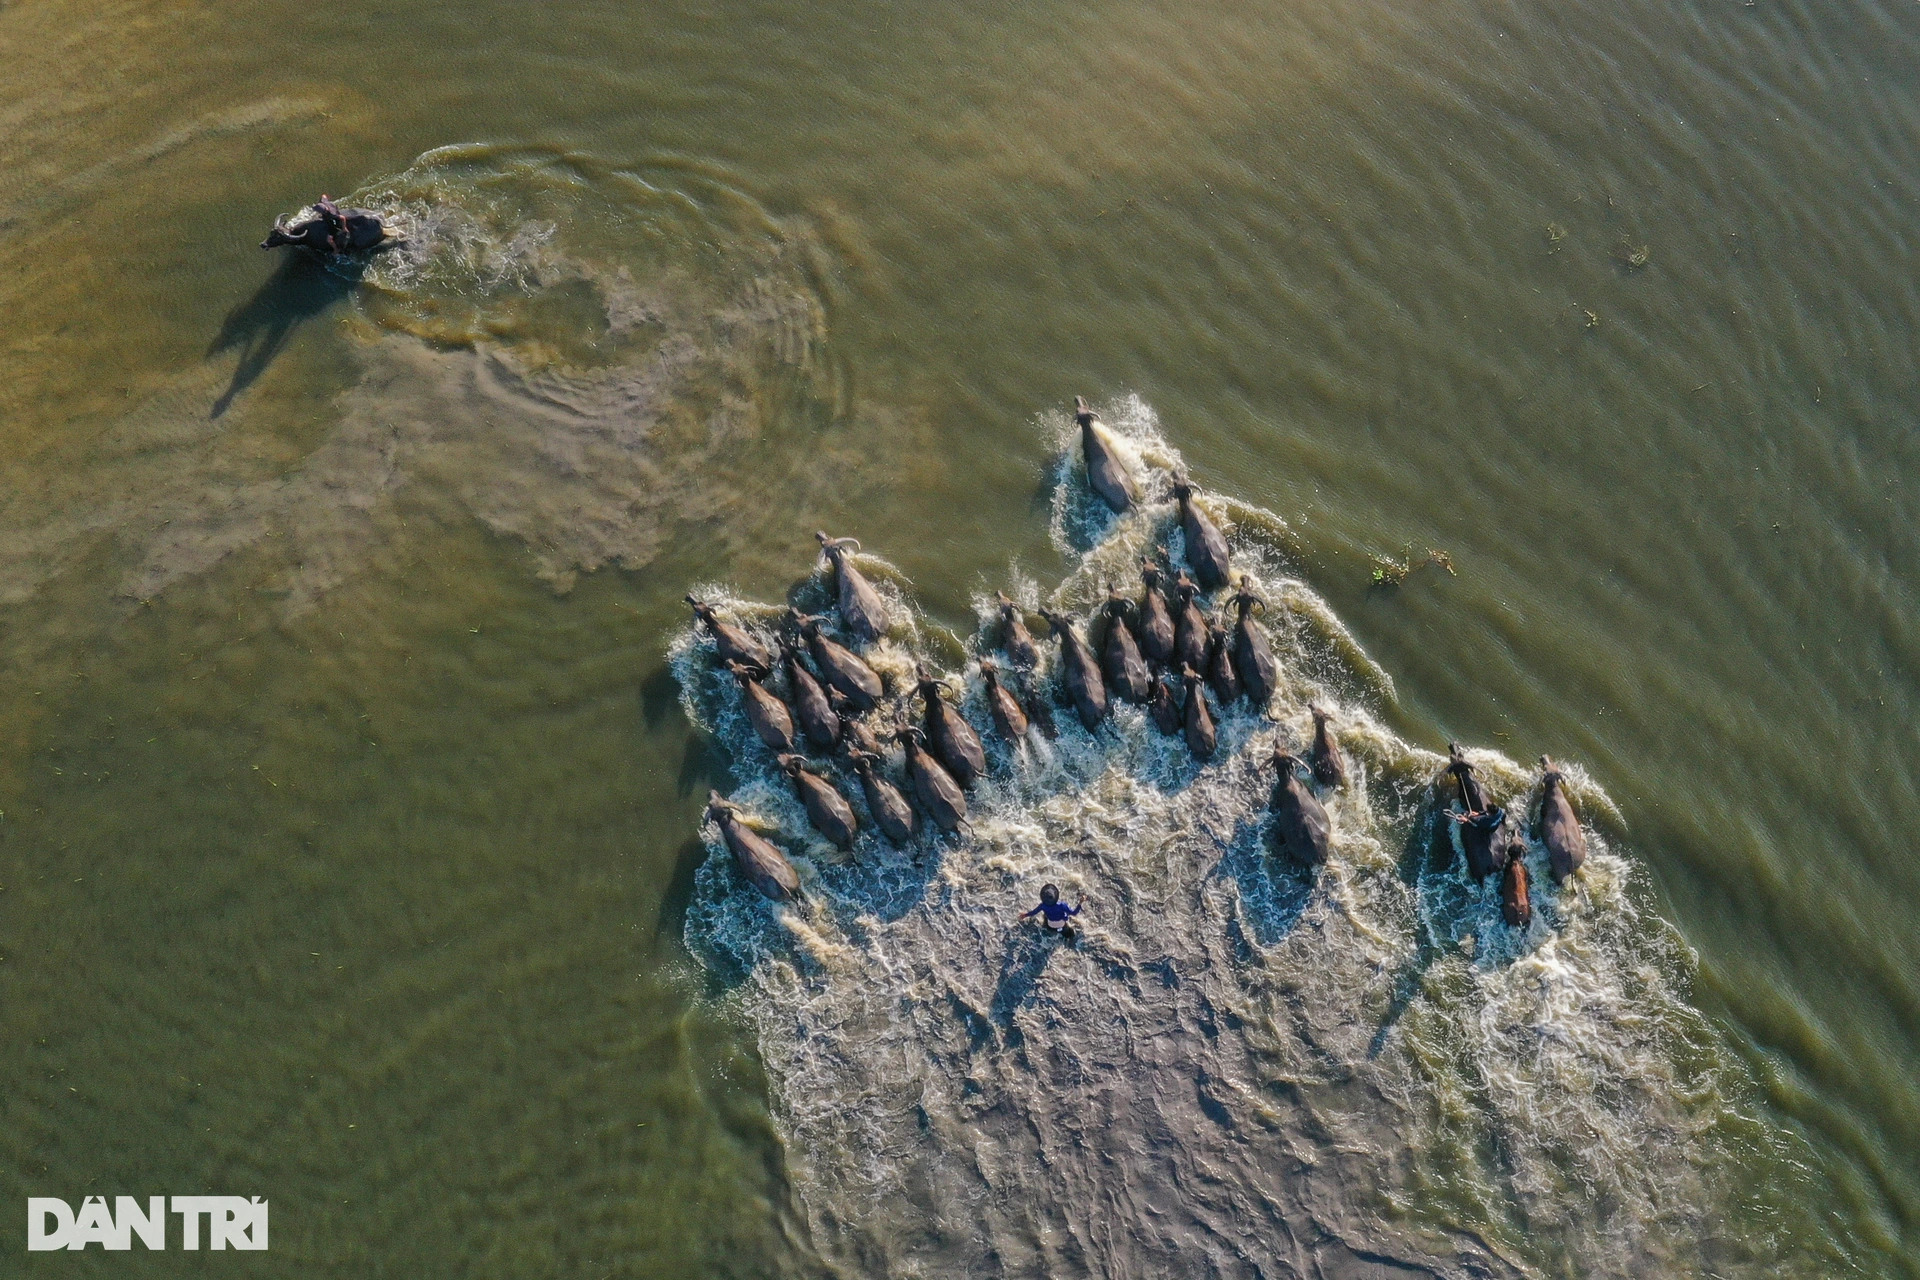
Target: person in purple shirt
<point x="1054" y="913"/>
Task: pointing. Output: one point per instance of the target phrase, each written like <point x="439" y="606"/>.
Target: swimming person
<point x="1053" y="913"/>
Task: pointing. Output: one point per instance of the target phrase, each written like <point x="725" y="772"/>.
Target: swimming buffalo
<point x="1329" y="761"/>
<point x="827" y="809"/>
<point x="855" y="735"/>
<point x="1299" y="821"/>
<point x="1125" y="669"/>
<point x="327" y="228"/>
<point x="1019" y="646"/>
<point x="1483" y="839"/>
<point x="1480" y="825"/>
<point x="732" y="643"/>
<point x="952" y="738"/>
<point x="861" y="607"/>
<point x="1196" y="718"/>
<point x="1221" y="673"/>
<point x="1079" y="671"/>
<point x="1156" y="619"/>
<point x="1472" y="796"/>
<point x="1163" y="706"/>
<point x="1039" y="710"/>
<point x="818" y="720"/>
<point x="939" y="794"/>
<point x="1559" y="828"/>
<point x="766" y="713"/>
<point x="1206" y="548"/>
<point x="1252" y="655"/>
<point x="1189" y="626"/>
<point x="1516" y="903"/>
<point x="1105" y="472"/>
<point x="844" y="669"/>
<point x="890" y="810"/>
<point x="1009" y="717"/>
<point x="758" y="859"/>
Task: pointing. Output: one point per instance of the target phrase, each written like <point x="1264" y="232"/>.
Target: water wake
<point x="1241" y="1068"/>
<point x="572" y="356"/>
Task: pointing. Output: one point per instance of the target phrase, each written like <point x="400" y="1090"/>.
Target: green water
<point x="349" y="809"/>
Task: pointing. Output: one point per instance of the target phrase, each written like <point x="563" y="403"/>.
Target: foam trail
<point x="1241" y="1069"/>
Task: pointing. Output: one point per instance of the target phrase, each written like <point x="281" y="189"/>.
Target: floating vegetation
<point x="1555" y="234"/>
<point x="1630" y="255"/>
<point x="1391" y="573"/>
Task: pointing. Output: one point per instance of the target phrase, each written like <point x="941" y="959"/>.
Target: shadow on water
<point x="1274" y="889"/>
<point x="300" y="288"/>
<point x="672" y="919"/>
<point x="1026" y="959"/>
<point x="659" y="696"/>
<point x="1428" y="851"/>
<point x="701" y="768"/>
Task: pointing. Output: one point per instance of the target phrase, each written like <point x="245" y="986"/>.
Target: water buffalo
<point x="1252" y="655"/>
<point x="1559" y="828"/>
<point x="1080" y="672"/>
<point x="1221" y="673"/>
<point x="1206" y="549"/>
<point x="939" y="794"/>
<point x="1329" y="761"/>
<point x="766" y="713"/>
<point x="844" y="669"/>
<point x="1163" y="706"/>
<point x="1105" y="472"/>
<point x="817" y="717"/>
<point x="1039" y="710"/>
<point x="1020" y="648"/>
<point x="1299" y="821"/>
<point x="1482" y="839"/>
<point x="952" y="738"/>
<point x="827" y="809"/>
<point x="855" y="735"/>
<point x="1189" y="626"/>
<point x="1009" y="717"/>
<point x="1125" y="670"/>
<point x="1196" y="719"/>
<point x="890" y="810"/>
<point x="1473" y="796"/>
<point x="1156" y="621"/>
<point x="326" y="228"/>
<point x="861" y="607"/>
<point x="732" y="643"/>
<point x="758" y="859"/>
<point x="1516" y="903"/>
<point x="1480" y="824"/>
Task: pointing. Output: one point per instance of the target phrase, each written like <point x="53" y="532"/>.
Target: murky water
<point x="351" y="790"/>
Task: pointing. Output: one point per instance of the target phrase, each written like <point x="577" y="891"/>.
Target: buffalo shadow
<point x="300" y="288"/>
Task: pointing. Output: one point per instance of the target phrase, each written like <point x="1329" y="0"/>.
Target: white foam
<point x="1239" y="1061"/>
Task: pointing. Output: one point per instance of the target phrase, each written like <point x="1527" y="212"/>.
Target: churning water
<point x="1241" y="1067"/>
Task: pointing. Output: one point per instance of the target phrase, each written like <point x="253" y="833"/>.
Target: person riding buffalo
<point x="338" y="238"/>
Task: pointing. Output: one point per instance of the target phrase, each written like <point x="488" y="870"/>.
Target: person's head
<point x="1049" y="893"/>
